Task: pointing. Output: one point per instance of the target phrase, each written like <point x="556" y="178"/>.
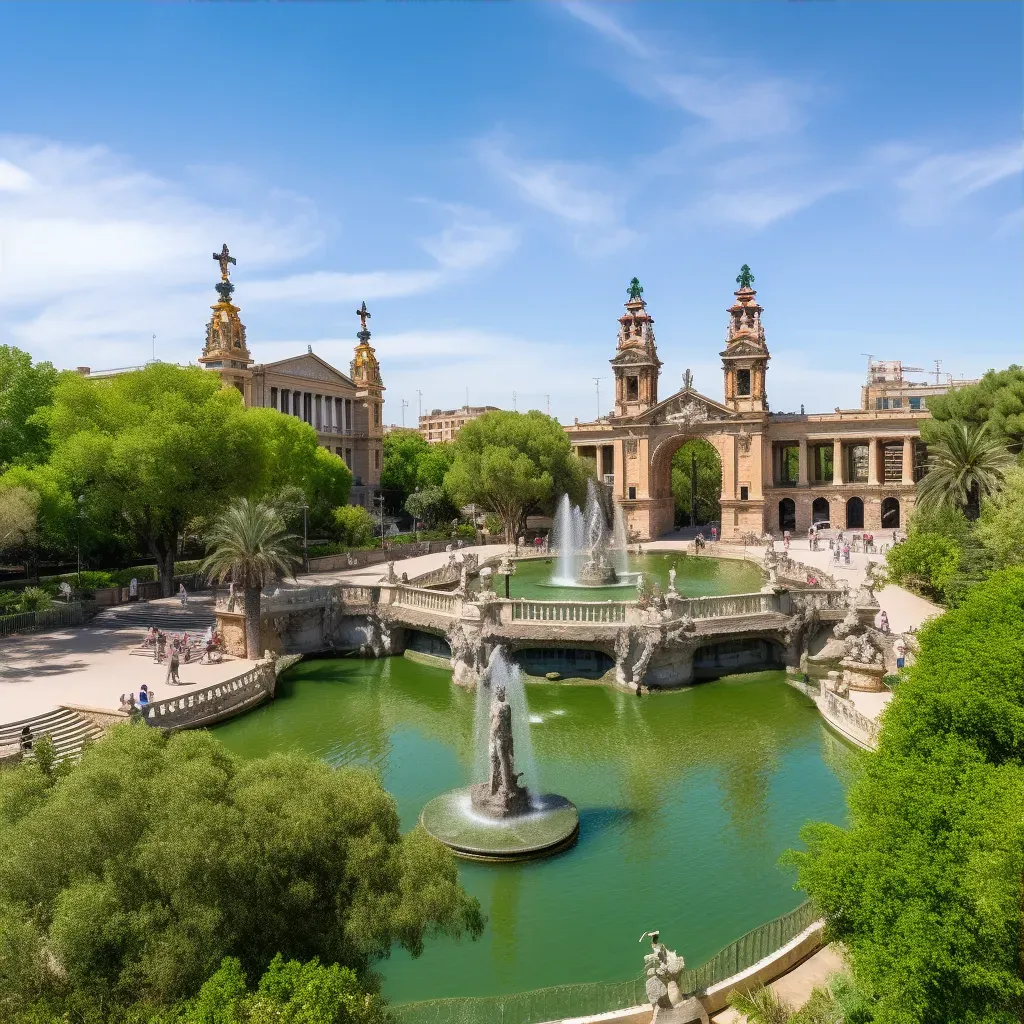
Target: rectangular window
<point x="632" y="493"/>
<point x="857" y="464"/>
<point x="348" y="457"/>
<point x="744" y="493"/>
<point x="632" y="389"/>
<point x="376" y="415"/>
<point x="892" y="463"/>
<point x="920" y="460"/>
<point x="742" y="382"/>
<point x="915" y="403"/>
<point x="789" y="465"/>
<point x="897" y="403"/>
<point x="821" y="456"/>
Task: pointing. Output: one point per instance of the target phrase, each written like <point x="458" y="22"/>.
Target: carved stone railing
<point x="522" y="610"/>
<point x="213" y="703"/>
<point x="437" y="601"/>
<point x="843" y="716"/>
<point x="731" y="605"/>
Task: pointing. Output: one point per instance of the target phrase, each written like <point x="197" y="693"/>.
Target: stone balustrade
<point x="844" y="717"/>
<point x="213" y="703"/>
<point x="437" y="601"/>
<point x="730" y="605"/>
<point x="563" y="611"/>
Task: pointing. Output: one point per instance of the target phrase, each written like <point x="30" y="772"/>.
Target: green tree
<point x="19" y="511"/>
<point x="431" y="505"/>
<point x="709" y="482"/>
<point x="294" y="467"/>
<point x="288" y="993"/>
<point x="411" y="464"/>
<point x="135" y="874"/>
<point x="1001" y="528"/>
<point x="997" y="399"/>
<point x="153" y="450"/>
<point x="514" y="465"/>
<point x="24" y="389"/>
<point x="924" y="887"/>
<point x="250" y="543"/>
<point x="353" y="525"/>
<point x="966" y="463"/>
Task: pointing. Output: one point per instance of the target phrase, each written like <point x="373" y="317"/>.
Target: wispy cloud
<point x="728" y="105"/>
<point x="757" y="208"/>
<point x="471" y="240"/>
<point x="935" y="183"/>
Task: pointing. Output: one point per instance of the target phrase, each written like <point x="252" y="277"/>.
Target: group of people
<point x="700" y="542"/>
<point x="129" y="703"/>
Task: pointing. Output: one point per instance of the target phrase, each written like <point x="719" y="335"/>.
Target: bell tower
<point x="745" y="359"/>
<point x="225" y="350"/>
<point x="636" y="364"/>
<point x="365" y="374"/>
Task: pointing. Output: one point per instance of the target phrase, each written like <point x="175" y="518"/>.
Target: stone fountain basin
<point x="550" y="828"/>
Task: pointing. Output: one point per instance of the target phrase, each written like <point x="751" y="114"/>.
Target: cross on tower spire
<point x="224" y="258"/>
<point x="363" y="315"/>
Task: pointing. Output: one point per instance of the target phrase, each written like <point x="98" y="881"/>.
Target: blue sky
<point x="488" y="177"/>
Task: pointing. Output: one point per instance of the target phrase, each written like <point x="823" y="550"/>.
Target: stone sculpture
<point x="672" y="581"/>
<point x="392" y="576"/>
<point x="502" y="795"/>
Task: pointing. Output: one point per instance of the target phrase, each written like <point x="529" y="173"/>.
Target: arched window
<point x="855" y="514"/>
<point x="787" y="514"/>
<point x="890" y="513"/>
<point x="820" y="510"/>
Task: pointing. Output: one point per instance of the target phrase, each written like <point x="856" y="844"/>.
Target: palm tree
<point x="965" y="464"/>
<point x="250" y="543"/>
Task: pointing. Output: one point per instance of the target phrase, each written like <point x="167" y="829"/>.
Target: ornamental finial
<point x="746" y="278"/>
<point x="635" y="290"/>
<point x="224" y="258"/>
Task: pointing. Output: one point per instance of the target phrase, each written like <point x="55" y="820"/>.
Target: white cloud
<point x="472" y="239"/>
<point x="759" y="207"/>
<point x="14" y="178"/>
<point x="331" y="286"/>
<point x="938" y="182"/>
<point x="599" y="20"/>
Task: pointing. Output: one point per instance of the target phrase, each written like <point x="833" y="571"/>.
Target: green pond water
<point x="686" y="801"/>
<point x="696" y="576"/>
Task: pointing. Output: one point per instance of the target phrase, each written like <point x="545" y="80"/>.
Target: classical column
<point x="872" y="463"/>
<point x="802" y="464"/>
<point x="908" y="460"/>
<point x="318" y="411"/>
<point x="284" y="397"/>
<point x="838" y="476"/>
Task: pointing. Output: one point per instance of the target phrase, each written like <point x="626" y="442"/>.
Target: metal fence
<point x="33" y="622"/>
<point x="560" y="1001"/>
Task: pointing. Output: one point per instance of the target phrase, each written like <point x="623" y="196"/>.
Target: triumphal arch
<point x="855" y="468"/>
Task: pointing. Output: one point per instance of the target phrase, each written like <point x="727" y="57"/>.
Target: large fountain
<point x="589" y="553"/>
<point x="499" y="818"/>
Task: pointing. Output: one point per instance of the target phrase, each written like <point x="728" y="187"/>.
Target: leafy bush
<point x="142" y="573"/>
<point x="35" y="599"/>
<point x="354" y="525"/>
<point x="9" y="602"/>
<point x="155" y="896"/>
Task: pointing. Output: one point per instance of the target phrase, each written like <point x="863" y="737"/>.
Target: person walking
<point x="172" y="669"/>
<point x="26" y="738"/>
<point x="182" y="594"/>
<point x="714" y="534"/>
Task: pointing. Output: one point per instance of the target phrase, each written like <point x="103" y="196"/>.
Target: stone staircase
<point x="68" y="729"/>
<point x="168" y="616"/>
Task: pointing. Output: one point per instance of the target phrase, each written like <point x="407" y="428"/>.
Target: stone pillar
<point x="908" y="460"/>
<point x="317" y="411"/>
<point x="285" y="397"/>
<point x="872" y="463"/>
<point x="838" y="476"/>
<point x="802" y="471"/>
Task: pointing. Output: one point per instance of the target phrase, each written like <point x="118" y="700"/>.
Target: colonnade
<point x="329" y="414"/>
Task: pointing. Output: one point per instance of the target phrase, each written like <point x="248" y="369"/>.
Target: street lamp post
<point x="379" y="500"/>
<point x="78" y="537"/>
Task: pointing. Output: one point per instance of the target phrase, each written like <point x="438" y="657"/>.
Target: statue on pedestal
<point x="502" y="795"/>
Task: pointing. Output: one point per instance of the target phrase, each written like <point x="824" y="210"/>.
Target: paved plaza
<point x="91" y="666"/>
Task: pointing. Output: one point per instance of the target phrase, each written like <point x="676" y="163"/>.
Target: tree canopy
<point x="25" y="387"/>
<point x="997" y="399"/>
<point x="1001" y="528"/>
<point x="514" y="465"/>
<point x="162" y="448"/>
<point x="924" y="886"/>
<point x="135" y="874"/>
<point x="411" y="464"/>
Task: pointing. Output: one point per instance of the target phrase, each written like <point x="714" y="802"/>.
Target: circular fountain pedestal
<point x="597" y="573"/>
<point x="552" y="825"/>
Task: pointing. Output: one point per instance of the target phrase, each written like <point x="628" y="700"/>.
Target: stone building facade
<point x="346" y="410"/>
<point x="854" y="468"/>
<point x="443" y="424"/>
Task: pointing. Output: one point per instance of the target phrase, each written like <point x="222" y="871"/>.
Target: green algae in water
<point x="686" y="801"/>
<point x="696" y="576"/>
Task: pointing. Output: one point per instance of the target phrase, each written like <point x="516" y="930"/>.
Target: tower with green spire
<point x="636" y="364"/>
<point x="745" y="359"/>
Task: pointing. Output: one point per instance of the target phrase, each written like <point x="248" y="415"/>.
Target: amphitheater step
<point x="68" y="729"/>
<point x="193" y="619"/>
